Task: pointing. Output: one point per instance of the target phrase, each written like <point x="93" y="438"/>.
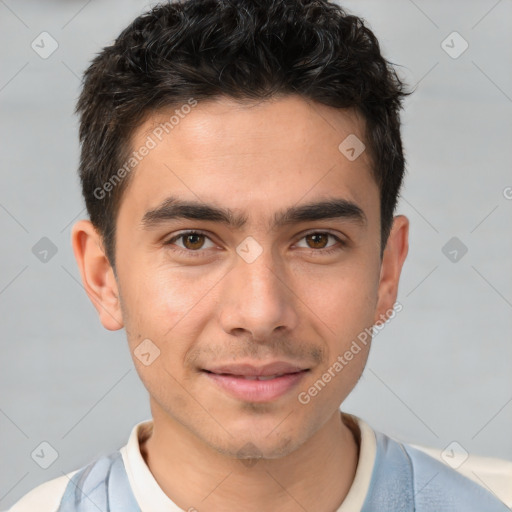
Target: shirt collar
<point x="151" y="497"/>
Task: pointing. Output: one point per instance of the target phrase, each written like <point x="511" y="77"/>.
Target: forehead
<point x="251" y="157"/>
<point x="220" y="127"/>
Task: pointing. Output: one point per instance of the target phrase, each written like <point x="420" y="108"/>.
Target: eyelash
<point x="317" y="252"/>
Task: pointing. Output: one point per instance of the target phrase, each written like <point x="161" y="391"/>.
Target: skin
<point x="292" y="303"/>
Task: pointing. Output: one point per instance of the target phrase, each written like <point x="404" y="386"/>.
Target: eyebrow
<point x="174" y="208"/>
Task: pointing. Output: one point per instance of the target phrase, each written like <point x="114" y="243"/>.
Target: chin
<point x="251" y="449"/>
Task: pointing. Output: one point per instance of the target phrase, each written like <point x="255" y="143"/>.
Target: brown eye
<point x="321" y="243"/>
<point x="193" y="241"/>
<point x="317" y="240"/>
<point x="190" y="242"/>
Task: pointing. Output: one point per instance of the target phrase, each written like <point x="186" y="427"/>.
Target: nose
<point x="258" y="300"/>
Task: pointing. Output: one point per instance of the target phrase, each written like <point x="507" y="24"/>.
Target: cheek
<point x="344" y="298"/>
<point x="161" y="299"/>
<point x="170" y="307"/>
<point x="165" y="388"/>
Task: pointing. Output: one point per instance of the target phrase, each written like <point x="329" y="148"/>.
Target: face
<point x="247" y="247"/>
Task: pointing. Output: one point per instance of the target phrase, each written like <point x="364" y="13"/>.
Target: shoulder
<point x="56" y="495"/>
<point x="46" y="497"/>
<point x="408" y="478"/>
<point x="493" y="474"/>
<point x="440" y="484"/>
<point x="102" y="480"/>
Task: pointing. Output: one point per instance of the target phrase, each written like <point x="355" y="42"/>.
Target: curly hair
<point x="247" y="50"/>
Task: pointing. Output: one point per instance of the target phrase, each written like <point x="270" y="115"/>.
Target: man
<point x="241" y="163"/>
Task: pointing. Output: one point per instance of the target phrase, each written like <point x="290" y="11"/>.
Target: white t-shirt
<point x="495" y="474"/>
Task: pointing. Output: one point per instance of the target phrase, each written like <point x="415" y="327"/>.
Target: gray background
<point x="438" y="372"/>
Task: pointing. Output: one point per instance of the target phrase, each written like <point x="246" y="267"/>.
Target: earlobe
<point x="97" y="274"/>
<point x="392" y="261"/>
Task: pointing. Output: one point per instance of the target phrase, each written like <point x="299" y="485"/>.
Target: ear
<point x="97" y="274"/>
<point x="393" y="258"/>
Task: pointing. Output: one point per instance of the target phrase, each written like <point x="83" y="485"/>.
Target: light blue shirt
<point x="404" y="479"/>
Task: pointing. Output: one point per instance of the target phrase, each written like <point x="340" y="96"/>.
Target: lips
<point x="252" y="383"/>
<point x="253" y="372"/>
<point x="250" y="377"/>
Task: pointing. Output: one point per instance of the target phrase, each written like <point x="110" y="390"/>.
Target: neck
<point x="317" y="476"/>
